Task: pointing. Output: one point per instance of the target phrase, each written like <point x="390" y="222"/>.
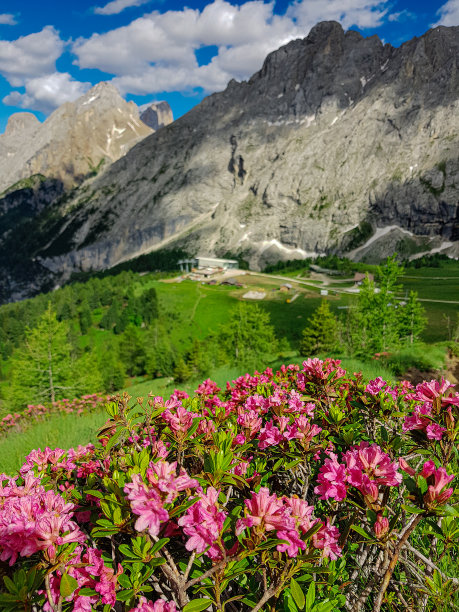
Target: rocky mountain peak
<point x="339" y="144"/>
<point x="20" y="122"/>
<point x="76" y="141"/>
<point x="157" y="114"/>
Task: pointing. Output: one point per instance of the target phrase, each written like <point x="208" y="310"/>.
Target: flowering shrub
<point x="304" y="489"/>
<point x="19" y="421"/>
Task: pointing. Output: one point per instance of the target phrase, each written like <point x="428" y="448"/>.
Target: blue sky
<point x="52" y="52"/>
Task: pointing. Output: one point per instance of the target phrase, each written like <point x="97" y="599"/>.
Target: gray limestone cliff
<point x="339" y="143"/>
<point x="157" y="115"/>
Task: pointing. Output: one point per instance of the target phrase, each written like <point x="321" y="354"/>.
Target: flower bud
<point x="405" y="467"/>
<point x="381" y="527"/>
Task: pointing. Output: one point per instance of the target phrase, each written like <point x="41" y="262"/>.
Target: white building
<point x="200" y="262"/>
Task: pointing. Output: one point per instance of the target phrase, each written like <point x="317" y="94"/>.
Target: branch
<point x="393" y="562"/>
<point x="430" y="563"/>
<point x="212" y="571"/>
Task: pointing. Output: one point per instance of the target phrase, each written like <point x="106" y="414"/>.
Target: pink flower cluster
<point x="423" y="418"/>
<point x="317" y="371"/>
<point x="418" y="420"/>
<point x="89" y="570"/>
<point x="437" y="480"/>
<point x="32" y="519"/>
<point x="203" y="523"/>
<point x="290" y="518"/>
<point x="365" y="467"/>
<point x="375" y="387"/>
<point x="162" y="486"/>
<point x="160" y="605"/>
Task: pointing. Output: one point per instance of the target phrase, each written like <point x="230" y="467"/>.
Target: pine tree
<point x="249" y="337"/>
<point x="132" y="350"/>
<point x="412" y="318"/>
<point x="42" y="368"/>
<point x="321" y="333"/>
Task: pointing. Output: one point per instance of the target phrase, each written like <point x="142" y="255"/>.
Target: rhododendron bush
<point x="20" y="421"/>
<point x="304" y="489"/>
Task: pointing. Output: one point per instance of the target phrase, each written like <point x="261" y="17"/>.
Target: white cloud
<point x="360" y="13"/>
<point x="448" y="14"/>
<point x="401" y="16"/>
<point x="117" y="6"/>
<point x="30" y="56"/>
<point x="7" y="19"/>
<point x="157" y="51"/>
<point x="47" y="92"/>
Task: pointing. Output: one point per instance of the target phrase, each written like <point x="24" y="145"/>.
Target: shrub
<point x="301" y="489"/>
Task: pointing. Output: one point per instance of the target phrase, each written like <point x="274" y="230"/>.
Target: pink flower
<point x="428" y="391"/>
<point x="181" y="421"/>
<point x="332" y="479"/>
<point x="374" y="463"/>
<point x="163" y="486"/>
<point x="406" y="467"/>
<point x="162" y="476"/>
<point x="435" y="431"/>
<point x="250" y="422"/>
<point x="306" y="430"/>
<point x="32" y="520"/>
<point x="265" y="512"/>
<point x="147" y="504"/>
<point x="436" y="493"/>
<point x="375" y="386"/>
<point x="160" y="605"/>
<point x="203" y="522"/>
<point x="208" y="387"/>
<point x="326" y="539"/>
<point x="294" y="543"/>
<point x="269" y="436"/>
<point x="301" y="513"/>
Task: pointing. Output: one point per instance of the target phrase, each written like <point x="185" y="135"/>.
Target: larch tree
<point x="43" y="369"/>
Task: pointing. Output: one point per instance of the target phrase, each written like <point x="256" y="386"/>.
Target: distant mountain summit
<point x="157" y="115"/>
<point x="339" y="144"/>
<point x="75" y="140"/>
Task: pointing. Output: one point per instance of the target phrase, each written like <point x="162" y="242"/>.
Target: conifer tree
<point x="321" y="333"/>
<point x="249" y="336"/>
<point x="42" y="368"/>
<point x="412" y="318"/>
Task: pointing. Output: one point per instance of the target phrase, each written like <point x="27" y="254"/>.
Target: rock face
<point x="336" y="138"/>
<point x="157" y="115"/>
<point x="74" y="142"/>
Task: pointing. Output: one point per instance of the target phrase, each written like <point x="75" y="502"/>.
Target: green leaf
<point x="10" y="585"/>
<point x="422" y="484"/>
<point x="412" y="509"/>
<point x="68" y="585"/>
<point x="196" y="605"/>
<point x="124" y="595"/>
<point x="113" y="440"/>
<point x="361" y="532"/>
<point x="87" y="592"/>
<point x="311" y="596"/>
<point x="297" y="593"/>
<point x="124" y="581"/>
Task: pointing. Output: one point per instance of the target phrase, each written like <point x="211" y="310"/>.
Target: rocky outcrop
<point x="336" y="138"/>
<point x="156" y="115"/>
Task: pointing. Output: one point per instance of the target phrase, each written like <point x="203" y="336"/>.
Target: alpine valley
<point x="339" y="144"/>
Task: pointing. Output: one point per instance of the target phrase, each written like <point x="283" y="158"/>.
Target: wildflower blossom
<point x="203" y="522"/>
<point x="332" y="479"/>
<point x="160" y="605"/>
<point x="32" y="520"/>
